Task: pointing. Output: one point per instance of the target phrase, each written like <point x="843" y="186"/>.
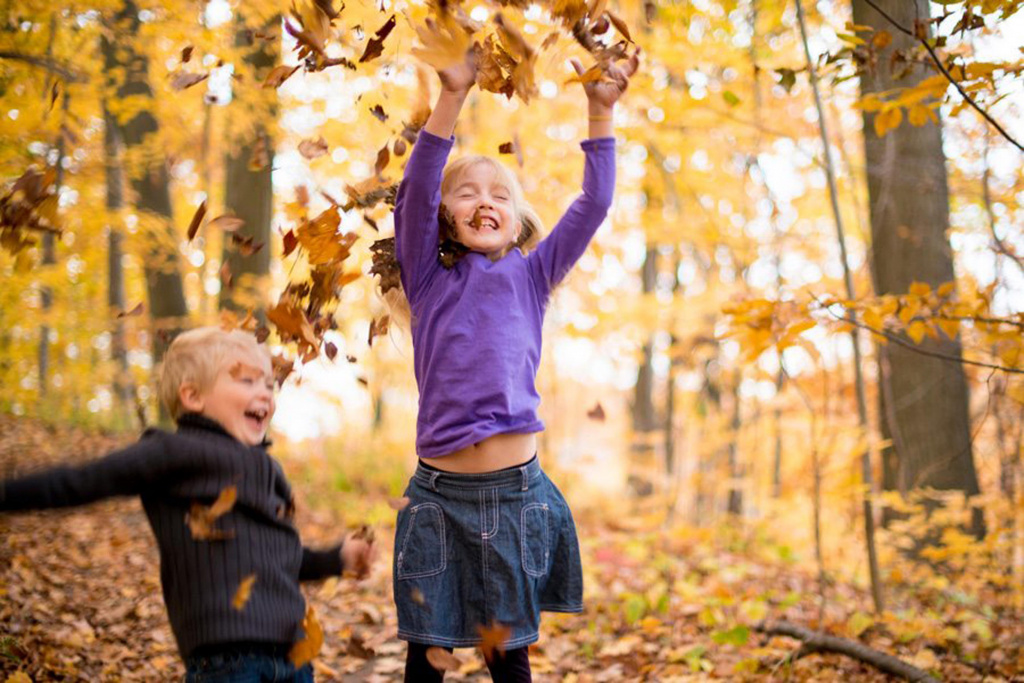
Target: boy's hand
<point x="603" y="93"/>
<point x="358" y="553"/>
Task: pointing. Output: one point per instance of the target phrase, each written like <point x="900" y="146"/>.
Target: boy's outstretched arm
<point x="126" y="472"/>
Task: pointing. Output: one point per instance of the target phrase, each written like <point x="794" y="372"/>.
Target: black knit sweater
<point x="170" y="472"/>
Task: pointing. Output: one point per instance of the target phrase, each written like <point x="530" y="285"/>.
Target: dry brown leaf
<point x="442" y="660"/>
<point x="290" y="242"/>
<point x="186" y="54"/>
<point x="279" y="74"/>
<point x="291" y="322"/>
<point x="330" y="350"/>
<point x="197" y="220"/>
<point x="379" y="112"/>
<point x="306" y="649"/>
<point x="375" y="46"/>
<point x="320" y="238"/>
<point x="399" y="147"/>
<point x="398" y="504"/>
<point x="201" y="519"/>
<point x="620" y="25"/>
<point x="312" y="149"/>
<point x="596" y="413"/>
<point x="383" y="157"/>
<point x="378" y="327"/>
<point x="227" y="223"/>
<point x="282" y="368"/>
<point x="186" y="79"/>
<point x="493" y="638"/>
<point x="133" y="313"/>
<point x="243" y="593"/>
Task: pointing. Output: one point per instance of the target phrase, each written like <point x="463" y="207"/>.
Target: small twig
<point x="917" y="349"/>
<point x="815" y="641"/>
<point x="938" y="63"/>
<point x="67" y="73"/>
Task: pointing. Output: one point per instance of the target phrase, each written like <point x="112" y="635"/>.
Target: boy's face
<point x="482" y="210"/>
<point x="241" y="398"/>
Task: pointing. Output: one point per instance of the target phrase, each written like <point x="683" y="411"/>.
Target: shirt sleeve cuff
<point x="597" y="144"/>
<point x="318" y="564"/>
<point x="434" y="140"/>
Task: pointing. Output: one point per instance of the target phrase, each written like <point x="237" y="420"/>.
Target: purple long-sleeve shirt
<point x="476" y="328"/>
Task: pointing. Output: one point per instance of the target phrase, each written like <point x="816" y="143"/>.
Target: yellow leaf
<point x="945" y="289"/>
<point x="445" y="42"/>
<point x="859" y="622"/>
<point x="916" y="331"/>
<point x="200" y="519"/>
<point x="950" y="327"/>
<point x="18" y="677"/>
<point x="918" y="115"/>
<point x="873" y="318"/>
<point x="243" y="593"/>
<point x="888" y="120"/>
<point x="306" y="649"/>
<point x="920" y="289"/>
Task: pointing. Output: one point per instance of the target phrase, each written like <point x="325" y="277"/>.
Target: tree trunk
<point x="149" y="177"/>
<point x="248" y="188"/>
<point x="643" y="411"/>
<point x="923" y="400"/>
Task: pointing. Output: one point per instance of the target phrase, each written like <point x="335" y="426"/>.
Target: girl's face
<point x="483" y="210"/>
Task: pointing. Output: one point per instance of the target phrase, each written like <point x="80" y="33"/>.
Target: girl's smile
<point x="483" y="211"/>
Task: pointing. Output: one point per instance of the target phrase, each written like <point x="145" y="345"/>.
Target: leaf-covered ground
<point x="80" y="601"/>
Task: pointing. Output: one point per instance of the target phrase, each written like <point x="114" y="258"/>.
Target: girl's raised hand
<point x="603" y="93"/>
<point x="459" y="78"/>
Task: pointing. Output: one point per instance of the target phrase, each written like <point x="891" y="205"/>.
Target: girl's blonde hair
<point x="529" y="236"/>
<point x="196" y="356"/>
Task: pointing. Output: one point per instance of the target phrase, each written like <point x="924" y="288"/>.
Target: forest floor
<point x="80" y="601"/>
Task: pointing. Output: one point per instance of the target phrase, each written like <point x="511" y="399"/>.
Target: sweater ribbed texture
<point x="170" y="472"/>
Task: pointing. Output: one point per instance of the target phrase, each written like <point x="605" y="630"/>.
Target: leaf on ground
<point x="442" y="660"/>
<point x="493" y="638"/>
<point x="197" y="220"/>
<point x="306" y="649"/>
<point x="201" y="519"/>
<point x="243" y="593"/>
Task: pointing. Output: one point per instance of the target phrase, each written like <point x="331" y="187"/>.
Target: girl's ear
<point x="191" y="397"/>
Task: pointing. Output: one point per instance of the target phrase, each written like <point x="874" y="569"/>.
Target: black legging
<point x="512" y="667"/>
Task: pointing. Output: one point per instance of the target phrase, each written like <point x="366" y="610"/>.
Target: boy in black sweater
<point x="220" y="508"/>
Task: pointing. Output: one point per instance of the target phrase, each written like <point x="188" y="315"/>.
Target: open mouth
<point x="480" y="223"/>
<point x="257" y="418"/>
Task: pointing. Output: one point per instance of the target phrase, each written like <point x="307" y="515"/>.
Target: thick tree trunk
<point x="924" y="403"/>
<point x="149" y="178"/>
<point x="249" y="190"/>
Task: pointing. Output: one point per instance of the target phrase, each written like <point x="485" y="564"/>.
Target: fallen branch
<point x="814" y="641"/>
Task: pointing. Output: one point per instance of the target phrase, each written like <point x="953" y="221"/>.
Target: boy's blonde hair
<point x="196" y="356"/>
<point x="529" y="236"/>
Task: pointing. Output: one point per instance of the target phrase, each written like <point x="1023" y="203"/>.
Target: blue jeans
<point x="245" y="666"/>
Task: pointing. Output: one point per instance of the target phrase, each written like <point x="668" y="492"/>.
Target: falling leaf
<point x="506" y="148"/>
<point x="375" y="46"/>
<point x="351" y="359"/>
<point x="186" y="54"/>
<point x="133" y="313"/>
<point x="292" y="322"/>
<point x="290" y="242"/>
<point x="312" y="149"/>
<point x="442" y="660"/>
<point x="787" y="78"/>
<point x="330" y="350"/>
<point x="379" y="112"/>
<point x="54" y="94"/>
<point x="596" y="413"/>
<point x="493" y="638"/>
<point x="320" y="238"/>
<point x="227" y="280"/>
<point x="278" y="75"/>
<point x="243" y="593"/>
<point x="444" y="42"/>
<point x="227" y="223"/>
<point x="262" y="333"/>
<point x="399" y="147"/>
<point x="378" y="327"/>
<point x="416" y="595"/>
<point x="730" y="98"/>
<point x="197" y="220"/>
<point x="383" y="157"/>
<point x="398" y="504"/>
<point x="247" y="246"/>
<point x="306" y="649"/>
<point x="549" y="40"/>
<point x="282" y="368"/>
<point x="181" y="80"/>
<point x="594" y="73"/>
<point x="620" y="25"/>
<point x="601" y="26"/>
<point x="201" y="519"/>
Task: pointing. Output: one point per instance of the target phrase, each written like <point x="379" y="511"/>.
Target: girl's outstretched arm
<point x="557" y="253"/>
<point x="419" y="194"/>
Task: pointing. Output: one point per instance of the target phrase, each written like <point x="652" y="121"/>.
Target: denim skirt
<point x="480" y="550"/>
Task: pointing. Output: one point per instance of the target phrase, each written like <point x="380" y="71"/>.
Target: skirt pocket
<point x="422" y="552"/>
<point x="535" y="539"/>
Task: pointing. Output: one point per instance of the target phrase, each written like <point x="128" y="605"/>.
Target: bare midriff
<point x="493" y="453"/>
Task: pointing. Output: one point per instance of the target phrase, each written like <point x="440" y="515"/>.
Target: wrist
<point x="455" y="94"/>
<point x="600" y="111"/>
